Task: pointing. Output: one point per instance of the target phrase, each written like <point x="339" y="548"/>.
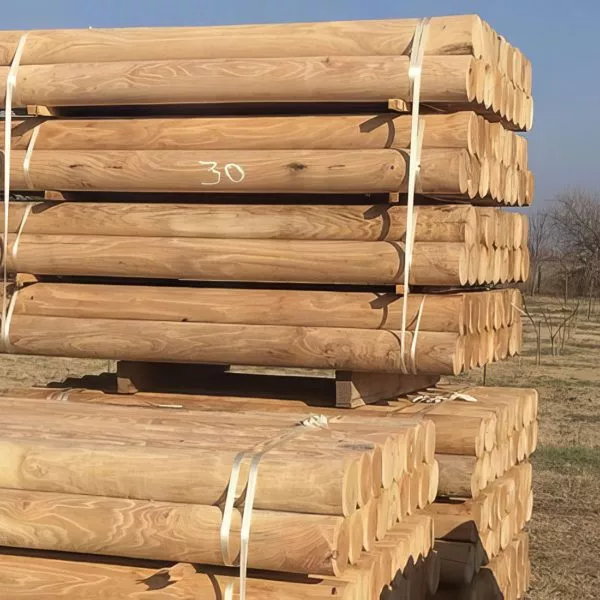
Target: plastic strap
<point x="255" y="455"/>
<point x="439" y="398"/>
<point x="28" y="154"/>
<point x="11" y="83"/>
<point x="15" y="246"/>
<point x="6" y="320"/>
<point x="416" y="139"/>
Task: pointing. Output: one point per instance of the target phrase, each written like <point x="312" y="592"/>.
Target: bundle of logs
<point x="344" y="497"/>
<point x="471" y="457"/>
<point x="192" y="202"/>
<point x="265" y="179"/>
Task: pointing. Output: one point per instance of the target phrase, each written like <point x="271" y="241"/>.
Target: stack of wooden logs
<point x="479" y="525"/>
<point x="484" y="496"/>
<point x="271" y="157"/>
<point x="237" y="196"/>
<point x="345" y="499"/>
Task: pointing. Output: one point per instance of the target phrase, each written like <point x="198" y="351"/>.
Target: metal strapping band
<point x="416" y="140"/>
<point x="255" y="455"/>
<point x="11" y="83"/>
<point x="28" y="154"/>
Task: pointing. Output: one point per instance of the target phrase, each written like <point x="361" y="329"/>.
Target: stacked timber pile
<point x="344" y="497"/>
<point x="310" y="196"/>
<point x="484" y="505"/>
<point x="484" y="482"/>
<point x="263" y="170"/>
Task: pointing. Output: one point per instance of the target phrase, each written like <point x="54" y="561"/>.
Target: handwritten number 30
<point x="233" y="172"/>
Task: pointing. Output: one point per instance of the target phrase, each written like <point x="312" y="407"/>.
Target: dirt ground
<point x="565" y="530"/>
<point x="566" y="523"/>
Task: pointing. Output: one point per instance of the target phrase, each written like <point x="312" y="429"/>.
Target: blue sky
<point x="561" y="39"/>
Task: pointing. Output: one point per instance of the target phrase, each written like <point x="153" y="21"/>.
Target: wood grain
<point x="340" y="262"/>
<point x="456" y="224"/>
<point x="165" y="531"/>
<point x="309" y="347"/>
<point x="53" y="576"/>
<point x="361" y="310"/>
<point x="460" y="34"/>
<point x="222" y="80"/>
<point x="314" y="132"/>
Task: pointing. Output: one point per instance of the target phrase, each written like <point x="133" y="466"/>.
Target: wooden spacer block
<point x="398" y="105"/>
<point x="37" y="110"/>
<point x="22" y="279"/>
<point x="54" y="195"/>
<point x="353" y="388"/>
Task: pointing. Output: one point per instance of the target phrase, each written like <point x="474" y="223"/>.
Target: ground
<point x="565" y="528"/>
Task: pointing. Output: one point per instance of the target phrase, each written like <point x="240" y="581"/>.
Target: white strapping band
<point x="255" y="455"/>
<point x="15" y="245"/>
<point x="11" y="83"/>
<point x="439" y="398"/>
<point x="28" y="154"/>
<point x="416" y="141"/>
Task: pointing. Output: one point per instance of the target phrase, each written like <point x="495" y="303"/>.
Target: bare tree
<point x="575" y="219"/>
<point x="539" y="247"/>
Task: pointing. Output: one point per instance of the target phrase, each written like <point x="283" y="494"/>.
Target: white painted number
<point x="240" y="172"/>
<point x="234" y="172"/>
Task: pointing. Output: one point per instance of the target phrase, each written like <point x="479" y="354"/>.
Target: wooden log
<point x="272" y="171"/>
<point x="397" y="415"/>
<point x="315" y="132"/>
<point x="356" y="349"/>
<point x="239" y="260"/>
<point x="213" y="405"/>
<point x="461" y="476"/>
<point x="223" y="80"/>
<point x="457" y="224"/>
<point x="459" y="434"/>
<point x="95" y="525"/>
<point x="363" y="310"/>
<point x="499" y="426"/>
<point x="55" y="466"/>
<point x="461" y="34"/>
<point x="52" y="577"/>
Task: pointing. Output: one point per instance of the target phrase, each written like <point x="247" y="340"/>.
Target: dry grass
<point x="565" y="531"/>
<point x="566" y="525"/>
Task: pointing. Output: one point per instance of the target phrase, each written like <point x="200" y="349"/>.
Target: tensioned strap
<point x="416" y="140"/>
<point x="255" y="455"/>
<point x="28" y="154"/>
<point x="11" y="83"/>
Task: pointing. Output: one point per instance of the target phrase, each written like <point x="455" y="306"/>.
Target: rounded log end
<point x="472" y="76"/>
<point x="374" y="481"/>
<point x="434" y="478"/>
<point x="341" y="554"/>
<point x="355" y="524"/>
<point x="429" y="441"/>
<point x="365" y="478"/>
<point x="350" y="486"/>
<point x="464" y="264"/>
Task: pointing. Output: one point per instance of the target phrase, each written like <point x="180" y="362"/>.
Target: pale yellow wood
<point x="94" y="524"/>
